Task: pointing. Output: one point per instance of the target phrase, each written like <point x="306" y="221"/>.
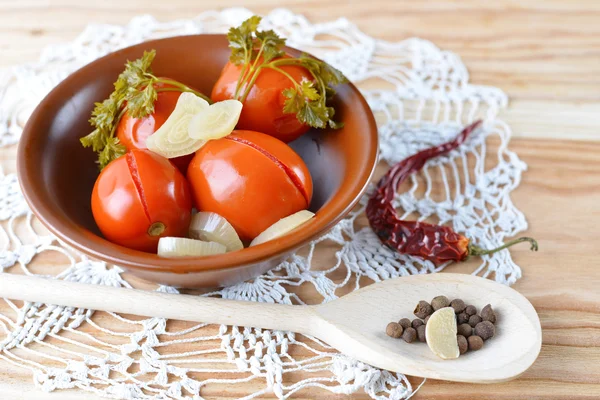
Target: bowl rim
<point x="88" y="243"/>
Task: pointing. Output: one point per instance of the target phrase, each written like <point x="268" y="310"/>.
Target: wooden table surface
<point x="546" y="55"/>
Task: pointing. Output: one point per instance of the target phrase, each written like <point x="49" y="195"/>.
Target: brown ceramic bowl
<point x="57" y="174"/>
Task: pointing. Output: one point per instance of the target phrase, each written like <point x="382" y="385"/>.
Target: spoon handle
<point x="156" y="304"/>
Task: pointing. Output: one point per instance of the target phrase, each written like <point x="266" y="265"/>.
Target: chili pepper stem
<point x="478" y="251"/>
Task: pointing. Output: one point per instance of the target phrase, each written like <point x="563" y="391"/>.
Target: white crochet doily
<point x="421" y="96"/>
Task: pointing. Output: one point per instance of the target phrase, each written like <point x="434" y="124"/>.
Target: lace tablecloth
<point x="421" y="96"/>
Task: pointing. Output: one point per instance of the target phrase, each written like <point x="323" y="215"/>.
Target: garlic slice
<point x="216" y="121"/>
<point x="211" y="227"/>
<point x="172" y="138"/>
<point x="440" y="333"/>
<point x="182" y="247"/>
<point x="283" y="227"/>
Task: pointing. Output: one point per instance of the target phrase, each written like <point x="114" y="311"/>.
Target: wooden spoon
<point x="354" y="324"/>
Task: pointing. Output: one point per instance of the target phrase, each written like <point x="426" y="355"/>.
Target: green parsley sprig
<point x="135" y="93"/>
<point x="256" y="50"/>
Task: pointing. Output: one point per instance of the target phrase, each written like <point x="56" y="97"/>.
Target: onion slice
<point x="172" y="138"/>
<point x="211" y="227"/>
<point x="182" y="247"/>
<point x="215" y="121"/>
<point x="283" y="227"/>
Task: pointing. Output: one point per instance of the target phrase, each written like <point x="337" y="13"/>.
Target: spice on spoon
<point x="449" y="331"/>
<point x="436" y="243"/>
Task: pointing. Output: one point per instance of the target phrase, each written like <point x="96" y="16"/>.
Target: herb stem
<point x="262" y="47"/>
<point x="179" y="87"/>
<point x="251" y="83"/>
<point x="282" y="72"/>
<point x="288" y="61"/>
<point x="116" y="121"/>
<point x="243" y="73"/>
<point x="187" y="89"/>
<point x="246" y="72"/>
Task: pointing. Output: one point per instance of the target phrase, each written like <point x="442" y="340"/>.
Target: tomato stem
<point x="156" y="229"/>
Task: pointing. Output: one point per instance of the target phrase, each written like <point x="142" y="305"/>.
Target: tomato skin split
<point x="250" y="179"/>
<point x="139" y="198"/>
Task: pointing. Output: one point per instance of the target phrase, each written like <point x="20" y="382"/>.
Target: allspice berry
<point x="464" y="330"/>
<point x="426" y="319"/>
<point x="405" y="323"/>
<point x="488" y="314"/>
<point x="394" y="329"/>
<point x="458" y="305"/>
<point x="474" y="320"/>
<point x="417" y="323"/>
<point x="423" y="309"/>
<point x="462" y="318"/>
<point x="439" y="302"/>
<point x="471" y="310"/>
<point x="421" y="333"/>
<point x="409" y="335"/>
<point x="485" y="330"/>
<point x="475" y="342"/>
<point x="463" y="345"/>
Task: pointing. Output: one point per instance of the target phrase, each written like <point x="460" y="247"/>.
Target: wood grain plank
<point x="505" y="43"/>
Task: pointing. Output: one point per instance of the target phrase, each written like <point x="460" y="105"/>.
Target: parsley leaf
<point x="256" y="50"/>
<point x="270" y="44"/>
<point x="140" y="103"/>
<point x="96" y="140"/>
<point x="241" y="40"/>
<point x="135" y="93"/>
<point x="111" y="151"/>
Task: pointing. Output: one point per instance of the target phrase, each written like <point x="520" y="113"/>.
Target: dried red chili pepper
<point x="436" y="243"/>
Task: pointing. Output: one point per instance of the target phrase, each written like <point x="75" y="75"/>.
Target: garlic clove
<point x="440" y="333"/>
<point x="216" y="121"/>
<point x="211" y="227"/>
<point x="182" y="247"/>
<point x="172" y="138"/>
<point x="283" y="227"/>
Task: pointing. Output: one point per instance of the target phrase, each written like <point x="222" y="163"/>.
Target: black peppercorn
<point x="465" y="330"/>
<point x="463" y="345"/>
<point x="458" y="305"/>
<point x="405" y="323"/>
<point x="471" y="310"/>
<point x="409" y="335"/>
<point x="488" y="314"/>
<point x="485" y="330"/>
<point x="423" y="309"/>
<point x="416" y="323"/>
<point x="439" y="302"/>
<point x="421" y="333"/>
<point x="394" y="329"/>
<point x="474" y="320"/>
<point x="475" y="342"/>
<point x="462" y="318"/>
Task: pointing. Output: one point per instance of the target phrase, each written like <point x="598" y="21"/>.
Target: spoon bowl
<point x="354" y="324"/>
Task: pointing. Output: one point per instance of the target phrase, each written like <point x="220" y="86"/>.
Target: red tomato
<point x="263" y="108"/>
<point x="133" y="132"/>
<point x="139" y="198"/>
<point x="251" y="179"/>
